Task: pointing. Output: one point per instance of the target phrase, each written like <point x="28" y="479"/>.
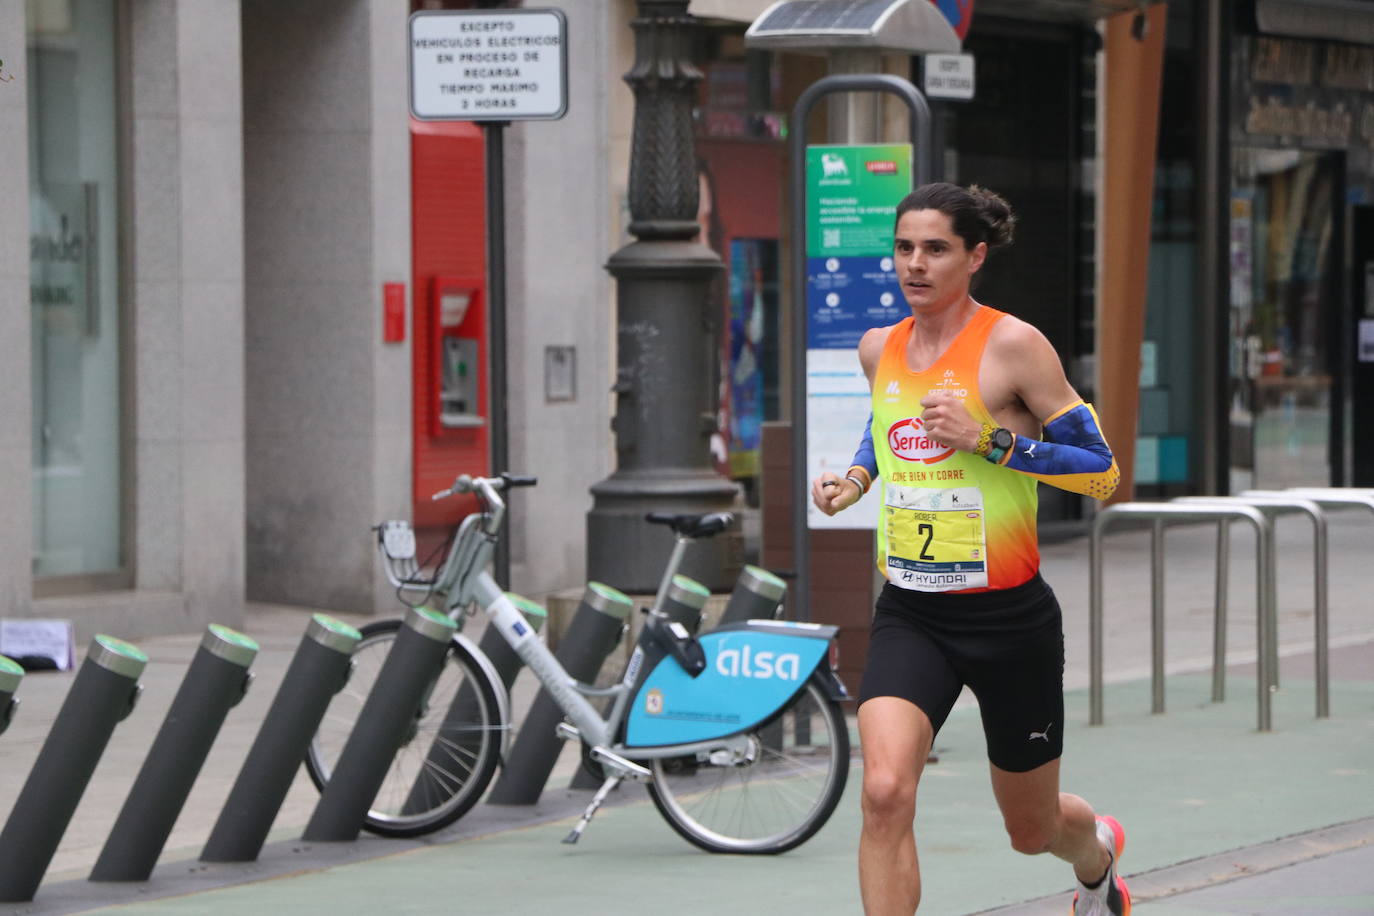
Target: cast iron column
<point x="665" y="403"/>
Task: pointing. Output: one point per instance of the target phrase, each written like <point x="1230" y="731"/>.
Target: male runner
<point x="961" y="395"/>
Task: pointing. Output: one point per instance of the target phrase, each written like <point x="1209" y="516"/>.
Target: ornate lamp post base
<point x="665" y="399"/>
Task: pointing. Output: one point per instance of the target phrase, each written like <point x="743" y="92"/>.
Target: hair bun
<point x="995" y="214"/>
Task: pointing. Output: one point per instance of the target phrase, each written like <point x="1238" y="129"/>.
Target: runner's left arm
<point x="1073" y="456"/>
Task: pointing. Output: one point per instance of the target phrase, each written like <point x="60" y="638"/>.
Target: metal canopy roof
<point x="909" y="26"/>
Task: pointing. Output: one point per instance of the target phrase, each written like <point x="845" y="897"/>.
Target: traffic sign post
<point x="491" y="67"/>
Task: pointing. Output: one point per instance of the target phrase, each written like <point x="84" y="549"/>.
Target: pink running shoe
<point x="1110" y="898"/>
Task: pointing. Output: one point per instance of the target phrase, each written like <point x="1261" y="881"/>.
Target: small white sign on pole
<point x="949" y="76"/>
<point x="488" y="65"/>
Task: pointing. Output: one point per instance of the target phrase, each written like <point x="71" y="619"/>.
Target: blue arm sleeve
<point x="865" y="458"/>
<point x="1074" y="456"/>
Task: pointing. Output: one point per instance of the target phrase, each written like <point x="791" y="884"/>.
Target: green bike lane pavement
<point x="1189" y="784"/>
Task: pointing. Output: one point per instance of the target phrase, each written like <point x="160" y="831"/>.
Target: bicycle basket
<point x="396" y="544"/>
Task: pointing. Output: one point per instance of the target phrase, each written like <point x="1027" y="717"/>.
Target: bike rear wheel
<point x="775" y="798"/>
<point x="450" y="751"/>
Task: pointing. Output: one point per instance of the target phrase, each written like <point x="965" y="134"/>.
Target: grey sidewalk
<point x="1193" y="783"/>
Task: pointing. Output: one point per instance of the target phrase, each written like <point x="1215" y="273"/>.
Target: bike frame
<point x="464" y="572"/>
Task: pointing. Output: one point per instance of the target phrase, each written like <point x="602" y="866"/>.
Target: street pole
<point x="493" y="133"/>
<point x="665" y="404"/>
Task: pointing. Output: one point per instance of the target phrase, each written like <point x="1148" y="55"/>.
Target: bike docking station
<point x="10" y="676"/>
<point x="102" y="695"/>
<point x="410" y="666"/>
<point x="757" y="595"/>
<point x="596" y="629"/>
<point x="683" y="603"/>
<point x="318" y="670"/>
<point x="215" y="682"/>
<point x="451" y="737"/>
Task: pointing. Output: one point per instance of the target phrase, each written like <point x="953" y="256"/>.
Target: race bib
<point x="935" y="539"/>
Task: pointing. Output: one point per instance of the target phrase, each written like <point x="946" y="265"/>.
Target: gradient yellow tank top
<point x="950" y="520"/>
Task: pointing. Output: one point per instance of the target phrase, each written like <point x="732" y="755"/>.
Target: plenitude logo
<point x="908" y="441"/>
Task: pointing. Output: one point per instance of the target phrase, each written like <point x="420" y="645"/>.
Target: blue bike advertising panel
<point x="851" y="198"/>
<point x="752" y="670"/>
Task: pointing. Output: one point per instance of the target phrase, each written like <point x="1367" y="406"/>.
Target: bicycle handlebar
<point x="486" y="487"/>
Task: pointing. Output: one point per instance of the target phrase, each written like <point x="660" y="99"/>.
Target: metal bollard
<point x="682" y="603"/>
<point x="10" y="676"/>
<point x="757" y="595"/>
<point x="595" y="629"/>
<point x="317" y="672"/>
<point x="103" y="694"/>
<point x="409" y="669"/>
<point x="453" y="737"/>
<point x="214" y="683"/>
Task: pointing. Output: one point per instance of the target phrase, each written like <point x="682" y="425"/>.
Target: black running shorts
<point x="1006" y="645"/>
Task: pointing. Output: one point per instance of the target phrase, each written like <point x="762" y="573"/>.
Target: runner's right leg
<point x="896" y="737"/>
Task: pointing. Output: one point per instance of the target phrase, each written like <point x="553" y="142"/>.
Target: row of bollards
<point x="317" y="671"/>
<point x="106" y="689"/>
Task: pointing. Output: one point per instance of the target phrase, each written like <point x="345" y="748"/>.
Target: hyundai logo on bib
<point x="743" y="663"/>
<point x="908" y="441"/>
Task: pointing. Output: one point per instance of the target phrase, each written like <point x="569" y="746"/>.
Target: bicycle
<point x="737" y="734"/>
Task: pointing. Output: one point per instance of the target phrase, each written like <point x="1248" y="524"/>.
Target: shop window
<point x="74" y="292"/>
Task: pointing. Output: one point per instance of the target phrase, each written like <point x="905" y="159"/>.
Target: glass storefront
<point x="74" y="288"/>
<point x="1282" y="298"/>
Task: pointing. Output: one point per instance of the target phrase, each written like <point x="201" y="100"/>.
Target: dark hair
<point x="976" y="214"/>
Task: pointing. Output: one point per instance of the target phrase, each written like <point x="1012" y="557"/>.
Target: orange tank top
<point x="950" y="520"/>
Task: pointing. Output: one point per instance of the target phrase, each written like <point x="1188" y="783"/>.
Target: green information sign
<point x="851" y="194"/>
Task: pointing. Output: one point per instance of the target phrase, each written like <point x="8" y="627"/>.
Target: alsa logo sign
<point x="908" y="441"/>
<point x="744" y="663"/>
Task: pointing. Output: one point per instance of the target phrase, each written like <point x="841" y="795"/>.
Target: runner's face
<point x="933" y="266"/>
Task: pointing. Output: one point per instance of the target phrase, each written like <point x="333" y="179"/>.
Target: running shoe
<point x="1110" y="898"/>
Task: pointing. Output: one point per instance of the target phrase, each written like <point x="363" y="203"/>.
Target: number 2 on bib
<point x="935" y="538"/>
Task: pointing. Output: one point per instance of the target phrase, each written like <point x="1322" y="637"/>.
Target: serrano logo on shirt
<point x="908" y="441"/>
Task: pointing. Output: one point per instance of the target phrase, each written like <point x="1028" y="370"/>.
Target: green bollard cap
<point x="430" y="623"/>
<point x="117" y="656"/>
<point x="688" y="591"/>
<point x="535" y="614"/>
<point x="607" y="600"/>
<point x="230" y="645"/>
<point x="10" y="675"/>
<point x="762" y="583"/>
<point x="333" y="634"/>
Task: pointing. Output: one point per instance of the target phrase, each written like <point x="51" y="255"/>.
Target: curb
<point x="1220" y="868"/>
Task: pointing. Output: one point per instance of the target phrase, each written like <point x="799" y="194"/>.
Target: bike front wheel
<point x="770" y="799"/>
<point x="450" y="750"/>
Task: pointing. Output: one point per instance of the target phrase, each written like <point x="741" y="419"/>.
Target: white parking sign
<point x="488" y="65"/>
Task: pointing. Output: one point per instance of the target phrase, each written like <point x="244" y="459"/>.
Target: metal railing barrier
<point x="1278" y="503"/>
<point x="1158" y="514"/>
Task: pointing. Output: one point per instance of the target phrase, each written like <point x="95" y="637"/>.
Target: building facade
<point x="212" y="201"/>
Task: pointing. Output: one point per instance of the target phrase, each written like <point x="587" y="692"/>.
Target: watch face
<point x="1003" y="438"/>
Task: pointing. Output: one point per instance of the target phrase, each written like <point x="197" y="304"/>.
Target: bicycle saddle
<point x="693" y="526"/>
